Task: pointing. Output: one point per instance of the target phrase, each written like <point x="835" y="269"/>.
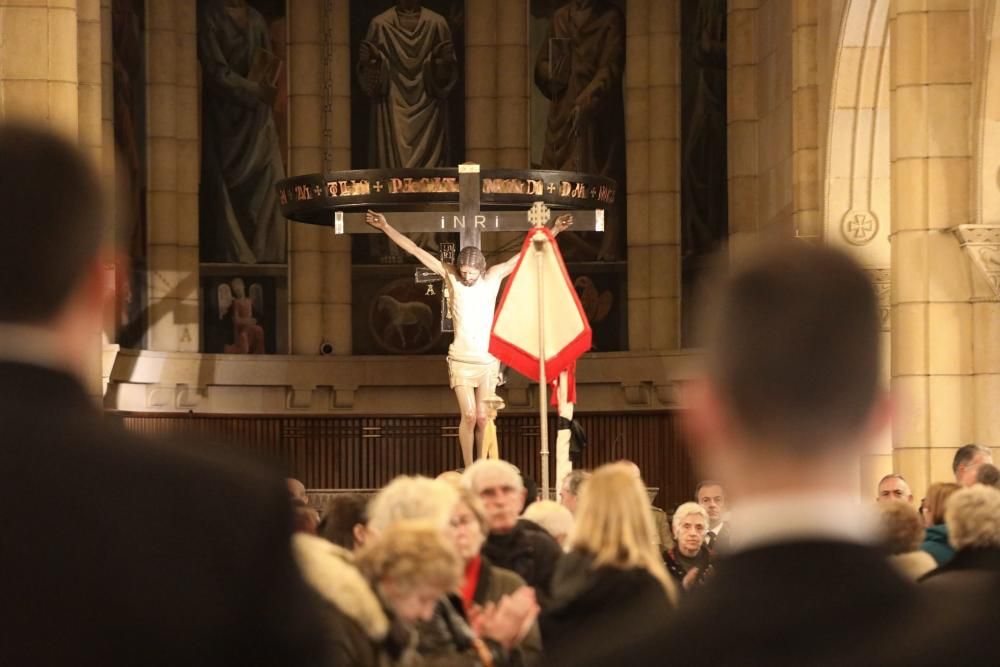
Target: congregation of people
<point x="121" y="551"/>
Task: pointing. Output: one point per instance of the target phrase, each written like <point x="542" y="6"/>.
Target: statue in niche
<point x="241" y="218"/>
<point x="579" y="69"/>
<point x="407" y="65"/>
<point x="704" y="208"/>
<point x="242" y="313"/>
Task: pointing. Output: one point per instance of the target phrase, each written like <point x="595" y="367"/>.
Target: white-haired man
<point x="553" y="517"/>
<point x="893" y="487"/>
<point x="691" y="560"/>
<point x="521" y="546"/>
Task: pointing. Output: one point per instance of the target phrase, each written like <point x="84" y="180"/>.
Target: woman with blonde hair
<point x="612" y="584"/>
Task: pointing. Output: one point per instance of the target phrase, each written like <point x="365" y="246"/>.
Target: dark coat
<point x="119" y="551"/>
<point x="587" y="605"/>
<point x="361" y="631"/>
<point x="967" y="561"/>
<point x="721" y="542"/>
<point x="676" y="568"/>
<point x="815" y="603"/>
<point x="530" y="552"/>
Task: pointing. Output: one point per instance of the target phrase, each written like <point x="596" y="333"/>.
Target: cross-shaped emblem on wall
<point x="859" y="227"/>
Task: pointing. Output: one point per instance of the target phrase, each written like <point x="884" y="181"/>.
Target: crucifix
<point x="468" y="209"/>
<point x="423" y="201"/>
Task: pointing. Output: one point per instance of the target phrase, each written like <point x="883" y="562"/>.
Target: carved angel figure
<point x="234" y="305"/>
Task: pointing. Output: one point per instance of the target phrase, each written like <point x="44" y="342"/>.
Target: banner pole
<point x="538" y="241"/>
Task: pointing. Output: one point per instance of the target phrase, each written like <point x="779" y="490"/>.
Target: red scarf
<point x="468" y="588"/>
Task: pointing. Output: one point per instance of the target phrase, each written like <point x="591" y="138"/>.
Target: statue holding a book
<point x="241" y="218"/>
<point x="579" y="68"/>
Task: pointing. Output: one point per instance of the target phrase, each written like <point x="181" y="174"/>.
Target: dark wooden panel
<point x="366" y="452"/>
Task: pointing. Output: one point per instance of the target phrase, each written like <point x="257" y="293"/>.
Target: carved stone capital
<point x="982" y="245"/>
<point x="881" y="279"/>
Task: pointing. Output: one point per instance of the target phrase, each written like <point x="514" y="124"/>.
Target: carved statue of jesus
<point x="472" y="371"/>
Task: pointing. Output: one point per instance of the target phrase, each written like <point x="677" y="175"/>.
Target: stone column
<point x="652" y="93"/>
<point x="188" y="316"/>
<point x="664" y="153"/>
<point x="108" y="156"/>
<point x="986" y="357"/>
<point x="38" y="63"/>
<point x="637" y="179"/>
<point x="481" y="63"/>
<point x="89" y="118"/>
<point x="89" y="135"/>
<point x="336" y="311"/>
<point x="930" y="86"/>
<point x="807" y="216"/>
<point x="512" y="101"/>
<point x="742" y="109"/>
<point x="513" y="84"/>
<point x="172" y="156"/>
<point x="319" y="90"/>
<point x="305" y="108"/>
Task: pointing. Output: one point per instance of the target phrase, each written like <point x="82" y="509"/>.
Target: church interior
<point x="868" y="125"/>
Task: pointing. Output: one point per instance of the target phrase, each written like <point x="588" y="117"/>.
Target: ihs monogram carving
<point x="859" y="227"/>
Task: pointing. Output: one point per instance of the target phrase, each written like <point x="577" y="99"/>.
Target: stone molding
<point x="147" y="381"/>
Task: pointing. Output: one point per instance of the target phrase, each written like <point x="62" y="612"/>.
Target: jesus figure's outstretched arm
<point x="378" y="221"/>
<point x="504" y="269"/>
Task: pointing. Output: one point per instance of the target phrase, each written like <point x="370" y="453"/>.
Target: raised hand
<point x="562" y="223"/>
<point x="690" y="579"/>
<point x="510" y="620"/>
<point x="376" y="220"/>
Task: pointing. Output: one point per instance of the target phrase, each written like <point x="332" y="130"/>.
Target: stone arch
<point x="857" y="203"/>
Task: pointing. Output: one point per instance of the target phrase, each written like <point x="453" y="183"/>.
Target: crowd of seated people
<point x="414" y="600"/>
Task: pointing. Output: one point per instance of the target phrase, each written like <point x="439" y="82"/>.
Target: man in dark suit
<point x="788" y="401"/>
<point x="710" y="495"/>
<point x="114" y="550"/>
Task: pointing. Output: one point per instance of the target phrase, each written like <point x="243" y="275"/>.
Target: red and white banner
<point x="514" y="338"/>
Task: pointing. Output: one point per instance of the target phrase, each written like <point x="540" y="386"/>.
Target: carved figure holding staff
<point x="473" y="288"/>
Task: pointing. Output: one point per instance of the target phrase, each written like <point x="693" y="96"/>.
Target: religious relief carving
<point x="402" y="318"/>
<point x="579" y="68"/>
<point x="407" y="65"/>
<point x="881" y="279"/>
<point x="859" y="227"/>
<point x="704" y="206"/>
<point x="239" y="314"/>
<point x="241" y="217"/>
<point x="982" y="245"/>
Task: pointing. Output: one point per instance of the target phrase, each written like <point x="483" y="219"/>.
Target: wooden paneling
<point x="366" y="452"/>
